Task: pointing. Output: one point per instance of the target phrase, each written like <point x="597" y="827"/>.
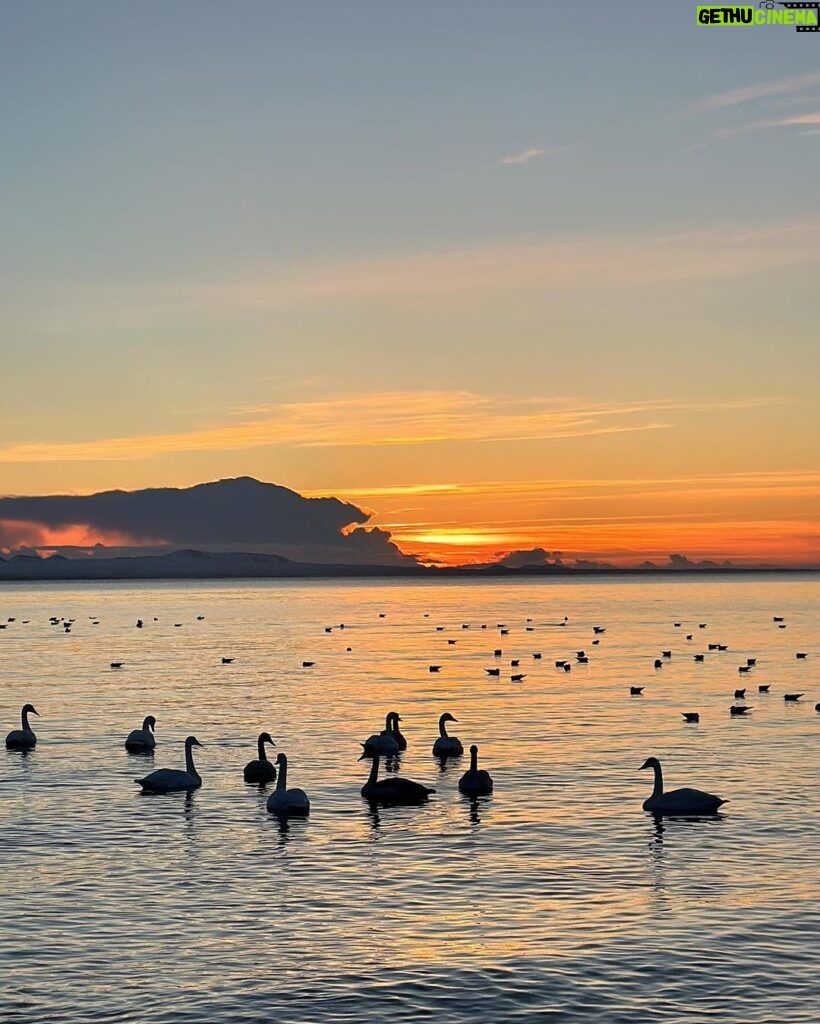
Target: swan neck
<point x="26" y="726"/>
<point x="189" y="760"/>
<point x="442" y="729"/>
<point x="474" y="761"/>
<point x="261" y="748"/>
<point x="658" y="790"/>
<point x="374" y="772"/>
<point x="282" y="780"/>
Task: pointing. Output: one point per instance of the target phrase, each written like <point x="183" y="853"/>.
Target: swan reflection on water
<point x="661" y="825"/>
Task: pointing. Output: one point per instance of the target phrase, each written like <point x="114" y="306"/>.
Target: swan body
<point x="286" y="802"/>
<point x="678" y="801"/>
<point x="475" y="782"/>
<point x="172" y="780"/>
<point x="392" y="791"/>
<point x="142" y="740"/>
<point x="23" y="738"/>
<point x="388" y="741"/>
<point x="447" y="746"/>
<point x="261" y="770"/>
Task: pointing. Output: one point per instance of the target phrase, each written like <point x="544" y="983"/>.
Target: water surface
<point x="555" y="899"/>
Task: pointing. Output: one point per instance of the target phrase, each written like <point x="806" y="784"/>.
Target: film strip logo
<point x="815" y="6"/>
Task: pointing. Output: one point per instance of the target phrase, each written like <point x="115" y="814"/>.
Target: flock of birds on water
<point x="389" y="742"/>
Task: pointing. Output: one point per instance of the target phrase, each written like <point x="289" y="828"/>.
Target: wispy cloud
<point x="758" y="91"/>
<point x="387" y="419"/>
<point x="532" y="154"/>
<point x="793" y="121"/>
<point x="556" y="264"/>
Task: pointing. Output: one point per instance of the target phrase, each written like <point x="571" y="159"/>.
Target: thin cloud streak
<point x="387" y="419"/>
<point x="532" y="154"/>
<point x="726" y="253"/>
<point x="522" y="158"/>
<point x="795" y="121"/>
<point x="758" y="91"/>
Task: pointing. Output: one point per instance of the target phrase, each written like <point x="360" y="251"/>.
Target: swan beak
<point x="644" y="765"/>
<point x="34" y="712"/>
<point x="362" y="758"/>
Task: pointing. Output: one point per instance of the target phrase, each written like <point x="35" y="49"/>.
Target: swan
<point x="142" y="740"/>
<point x="392" y="790"/>
<point x="24" y="738"/>
<point x="261" y="770"/>
<point x="284" y="801"/>
<point x="679" y="801"/>
<point x="170" y="780"/>
<point x="475" y="782"/>
<point x="383" y="742"/>
<point x="447" y="746"/>
<point x="396" y="732"/>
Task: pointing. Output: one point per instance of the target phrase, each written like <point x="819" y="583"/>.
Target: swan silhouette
<point x="23" y="738"/>
<point x="447" y="746"/>
<point x="172" y="780"/>
<point x="260" y="770"/>
<point x="678" y="801"/>
<point x="286" y="802"/>
<point x="392" y="791"/>
<point x="141" y="741"/>
<point x="384" y="742"/>
<point x="475" y="782"/>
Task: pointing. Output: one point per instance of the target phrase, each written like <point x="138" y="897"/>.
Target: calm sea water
<point x="555" y="899"/>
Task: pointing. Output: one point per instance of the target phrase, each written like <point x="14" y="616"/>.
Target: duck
<point x="740" y="694"/>
<point x="736" y="710"/>
<point x="678" y="801"/>
<point x="792" y="696"/>
<point x="635" y="691"/>
<point x="447" y="746"/>
<point x="142" y="741"/>
<point x="260" y="770"/>
<point x="763" y="688"/>
<point x="690" y="716"/>
<point x="172" y="780"/>
<point x="383" y="742"/>
<point x="23" y="738"/>
<point x="475" y="781"/>
<point x="286" y="802"/>
<point x="493" y="671"/>
<point x="393" y="790"/>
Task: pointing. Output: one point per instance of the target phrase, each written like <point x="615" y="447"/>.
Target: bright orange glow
<point x="17" y="534"/>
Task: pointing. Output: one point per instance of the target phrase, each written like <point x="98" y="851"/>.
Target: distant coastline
<point x="204" y="565"/>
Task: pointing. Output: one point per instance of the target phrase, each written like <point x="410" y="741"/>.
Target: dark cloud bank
<point x="230" y="528"/>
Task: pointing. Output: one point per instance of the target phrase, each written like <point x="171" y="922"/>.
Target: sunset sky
<point x="510" y="275"/>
